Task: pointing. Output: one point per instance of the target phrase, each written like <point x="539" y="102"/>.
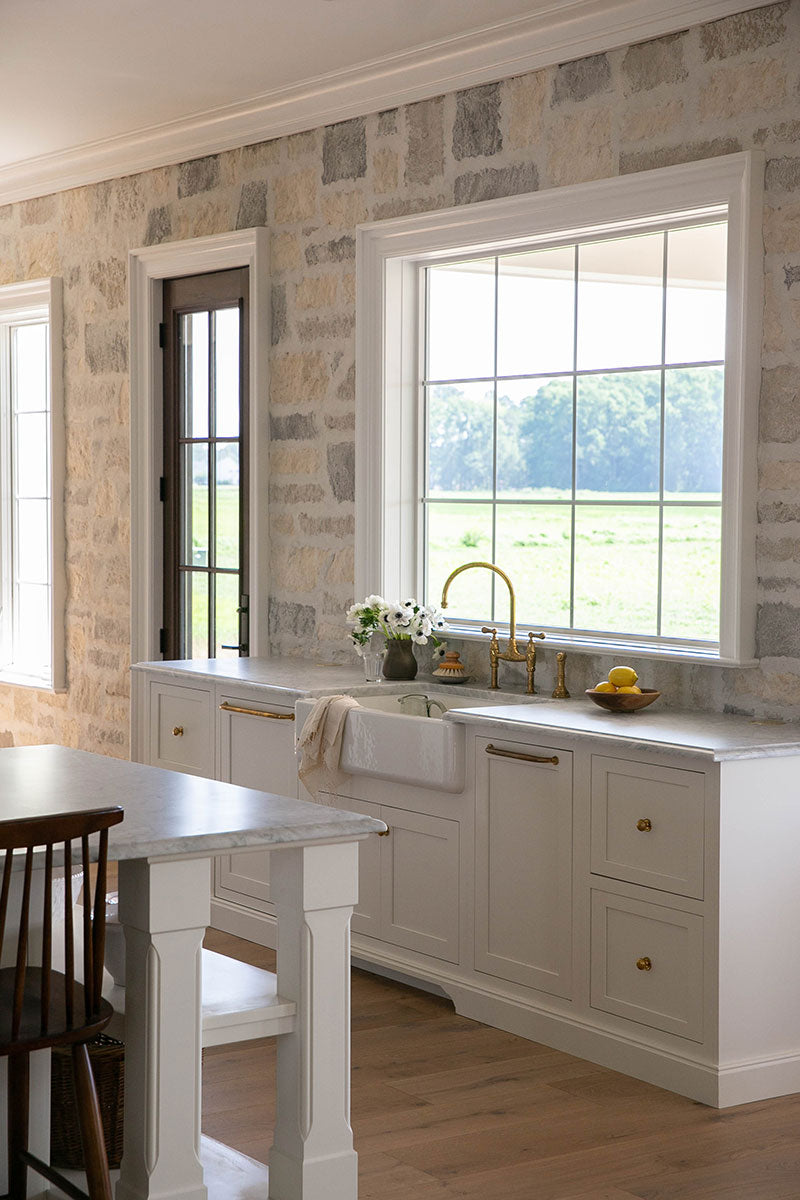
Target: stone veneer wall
<point x="712" y="90"/>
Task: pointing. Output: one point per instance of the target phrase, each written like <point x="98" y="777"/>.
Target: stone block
<point x="336" y="250"/>
<point x="337" y="327"/>
<point x="343" y="210"/>
<point x="580" y="147"/>
<point x="779" y="410"/>
<point x="641" y="124"/>
<point x="782" y="229"/>
<point x="298" y="378"/>
<point x="387" y="122"/>
<point x="581" y="79"/>
<point x="405" y="206"/>
<point x="316" y="292"/>
<point x="745" y="88"/>
<point x="476" y="131"/>
<point x="342" y="567"/>
<point x="294" y="427"/>
<point x="341" y="421"/>
<point x="650" y="64"/>
<point x="159" y="225"/>
<point x="300" y="620"/>
<point x="202" y="219"/>
<point x="301" y="569"/>
<point x="296" y="493"/>
<point x="261" y="155"/>
<point x="782" y="174"/>
<point x="347" y="388"/>
<point x="277" y="313"/>
<point x="344" y="151"/>
<point x="342" y="470"/>
<point x="106" y="348"/>
<point x="292" y="459"/>
<point x="385" y="170"/>
<point x="525" y="99"/>
<point x="778" y="631"/>
<point x="778" y="512"/>
<point x="295" y="197"/>
<point x="38" y="211"/>
<point x="282" y="523"/>
<point x="349" y="289"/>
<point x="668" y="156"/>
<point x="39" y="255"/>
<point x="338" y="527"/>
<point x="252" y="204"/>
<point x="299" y="145"/>
<point x="492" y="182"/>
<point x="791" y="275"/>
<point x="198" y="175"/>
<point x="111" y="280"/>
<point x="425" y="154"/>
<point x="285" y="252"/>
<point x="744" y="31"/>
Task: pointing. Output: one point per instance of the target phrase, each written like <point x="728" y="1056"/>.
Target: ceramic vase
<point x="399" y="662"/>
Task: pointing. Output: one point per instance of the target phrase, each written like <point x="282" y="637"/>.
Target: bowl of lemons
<point x="619" y="693"/>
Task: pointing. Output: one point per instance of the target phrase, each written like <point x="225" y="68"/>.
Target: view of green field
<point x="227" y="586"/>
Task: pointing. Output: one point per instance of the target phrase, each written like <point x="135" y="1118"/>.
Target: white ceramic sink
<point x="400" y="737"/>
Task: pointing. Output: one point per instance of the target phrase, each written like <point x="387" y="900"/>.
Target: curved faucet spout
<point x="512" y="633"/>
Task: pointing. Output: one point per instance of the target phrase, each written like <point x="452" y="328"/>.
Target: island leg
<point x="312" y="1157"/>
<point x="164" y="908"/>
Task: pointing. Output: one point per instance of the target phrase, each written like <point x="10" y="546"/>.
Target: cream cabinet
<point x="181" y="728"/>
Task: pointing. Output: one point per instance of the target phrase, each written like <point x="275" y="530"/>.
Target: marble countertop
<point x="296" y="677"/>
<point x="719" y="735"/>
<point x="167" y="814"/>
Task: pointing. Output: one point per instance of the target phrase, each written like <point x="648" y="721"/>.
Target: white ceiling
<point x="90" y="89"/>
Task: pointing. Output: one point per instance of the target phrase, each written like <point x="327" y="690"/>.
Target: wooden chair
<point x="40" y="1007"/>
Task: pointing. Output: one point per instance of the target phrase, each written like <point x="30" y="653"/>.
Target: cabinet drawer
<point x="181" y="729"/>
<point x="647" y="825"/>
<point x="647" y="964"/>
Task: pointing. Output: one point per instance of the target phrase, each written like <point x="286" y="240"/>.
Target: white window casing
<point x="389" y="257"/>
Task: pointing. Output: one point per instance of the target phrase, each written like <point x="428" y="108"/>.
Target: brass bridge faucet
<point x="512" y="653"/>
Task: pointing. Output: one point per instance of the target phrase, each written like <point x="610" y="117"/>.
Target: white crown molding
<point x="559" y="33"/>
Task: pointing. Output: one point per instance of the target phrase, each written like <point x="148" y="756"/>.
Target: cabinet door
<point x="523" y="848"/>
<point x="419" y="878"/>
<point x="258" y="752"/>
<point x="182" y="729"/>
<point x="367" y="913"/>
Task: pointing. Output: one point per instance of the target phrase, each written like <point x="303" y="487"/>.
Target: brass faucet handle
<point x="488" y="629"/>
<point x="561" y="692"/>
<point x="530" y="659"/>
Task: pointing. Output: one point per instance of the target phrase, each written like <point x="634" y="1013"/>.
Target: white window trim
<point x="388" y="257"/>
<point x="148" y="267"/>
<point x="41" y="299"/>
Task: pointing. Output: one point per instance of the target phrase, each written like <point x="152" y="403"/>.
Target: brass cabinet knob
<point x="177" y="731"/>
<point x="644" y="964"/>
<point x="644" y="825"/>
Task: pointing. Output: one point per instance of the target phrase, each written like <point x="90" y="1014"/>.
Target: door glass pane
<point x="194" y="607"/>
<point x="534" y="539"/>
<point x="534" y="438"/>
<point x="457" y="534"/>
<point x="227" y="615"/>
<point x="693" y="432"/>
<point x="226" y="371"/>
<point x="32" y="542"/>
<point x="29" y="374"/>
<point x="616" y="568"/>
<point x="696" y="274"/>
<point x="194" y="367"/>
<point x="227" y="504"/>
<point x="32" y="457"/>
<point x="460" y="433"/>
<point x="536" y="312"/>
<point x="194" y="526"/>
<point x="620" y="302"/>
<point x="619" y="435"/>
<point x="32" y="627"/>
<point x="461" y="320"/>
<point x="691" y="575"/>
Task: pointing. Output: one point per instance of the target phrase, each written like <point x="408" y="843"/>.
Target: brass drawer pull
<point x="256" y="712"/>
<point x="645" y="825"/>
<point x="534" y="758"/>
<point x="644" y="964"/>
<point x="177" y="731"/>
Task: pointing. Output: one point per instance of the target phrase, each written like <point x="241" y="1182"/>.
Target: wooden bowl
<point x="623" y="702"/>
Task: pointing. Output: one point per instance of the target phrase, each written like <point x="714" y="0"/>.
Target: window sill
<point x="18" y="679"/>
<point x="622" y="648"/>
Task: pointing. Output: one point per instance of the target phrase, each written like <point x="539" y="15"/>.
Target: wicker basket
<point x="107" y="1057"/>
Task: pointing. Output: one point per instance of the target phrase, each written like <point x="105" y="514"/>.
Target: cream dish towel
<point x="320" y="746"/>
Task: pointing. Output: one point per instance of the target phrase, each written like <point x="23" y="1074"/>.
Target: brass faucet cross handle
<point x="511" y="653"/>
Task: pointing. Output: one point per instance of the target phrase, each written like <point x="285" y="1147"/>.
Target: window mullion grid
<point x="6" y="593"/>
<point x="662" y="444"/>
<point x="424" y="422"/>
<point x="212" y="491"/>
<point x="494" y="439"/>
<point x="573" y="508"/>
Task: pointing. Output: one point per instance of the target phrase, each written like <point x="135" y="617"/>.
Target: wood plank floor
<point x="447" y="1109"/>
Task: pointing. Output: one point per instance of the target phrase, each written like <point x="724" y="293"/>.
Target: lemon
<point x="622" y="676"/>
<point x="633" y="688"/>
<point x="605" y="686"/>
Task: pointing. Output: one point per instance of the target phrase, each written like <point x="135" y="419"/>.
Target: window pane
<point x="534" y="438"/>
<point x="620" y="302"/>
<point x="32" y="542"/>
<point x="461" y="320"/>
<point x="227" y="588"/>
<point x="691" y="574"/>
<point x="32" y="456"/>
<point x="194" y="608"/>
<point x="619" y="434"/>
<point x="29" y="371"/>
<point x="227" y="509"/>
<point x="226" y="368"/>
<point x="536" y="312"/>
<point x="457" y="534"/>
<point x="194" y="406"/>
<point x="696" y="275"/>
<point x="194" y="523"/>
<point x="460" y="433"/>
<point x="533" y="541"/>
<point x="616" y="568"/>
<point x="693" y="431"/>
<point x="32" y="628"/>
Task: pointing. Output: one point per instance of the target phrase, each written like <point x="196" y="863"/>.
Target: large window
<point x="566" y="384"/>
<point x="31" y="485"/>
<point x="573" y="415"/>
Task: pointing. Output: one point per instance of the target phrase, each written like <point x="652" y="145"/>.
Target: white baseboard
<point x="244" y="923"/>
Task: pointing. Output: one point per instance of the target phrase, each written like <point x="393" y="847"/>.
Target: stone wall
<point x="716" y="89"/>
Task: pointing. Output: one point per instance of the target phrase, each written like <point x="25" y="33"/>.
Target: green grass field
<point x="227" y="555"/>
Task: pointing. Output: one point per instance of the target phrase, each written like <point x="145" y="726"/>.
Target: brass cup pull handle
<point x="644" y="964"/>
<point x="257" y="712"/>
<point x="644" y="825"/>
<point x="533" y="758"/>
<point x="177" y="731"/>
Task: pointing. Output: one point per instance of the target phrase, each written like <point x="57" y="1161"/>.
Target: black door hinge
<point x="162" y="488"/>
<point x="162" y="641"/>
<point x="162" y="335"/>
